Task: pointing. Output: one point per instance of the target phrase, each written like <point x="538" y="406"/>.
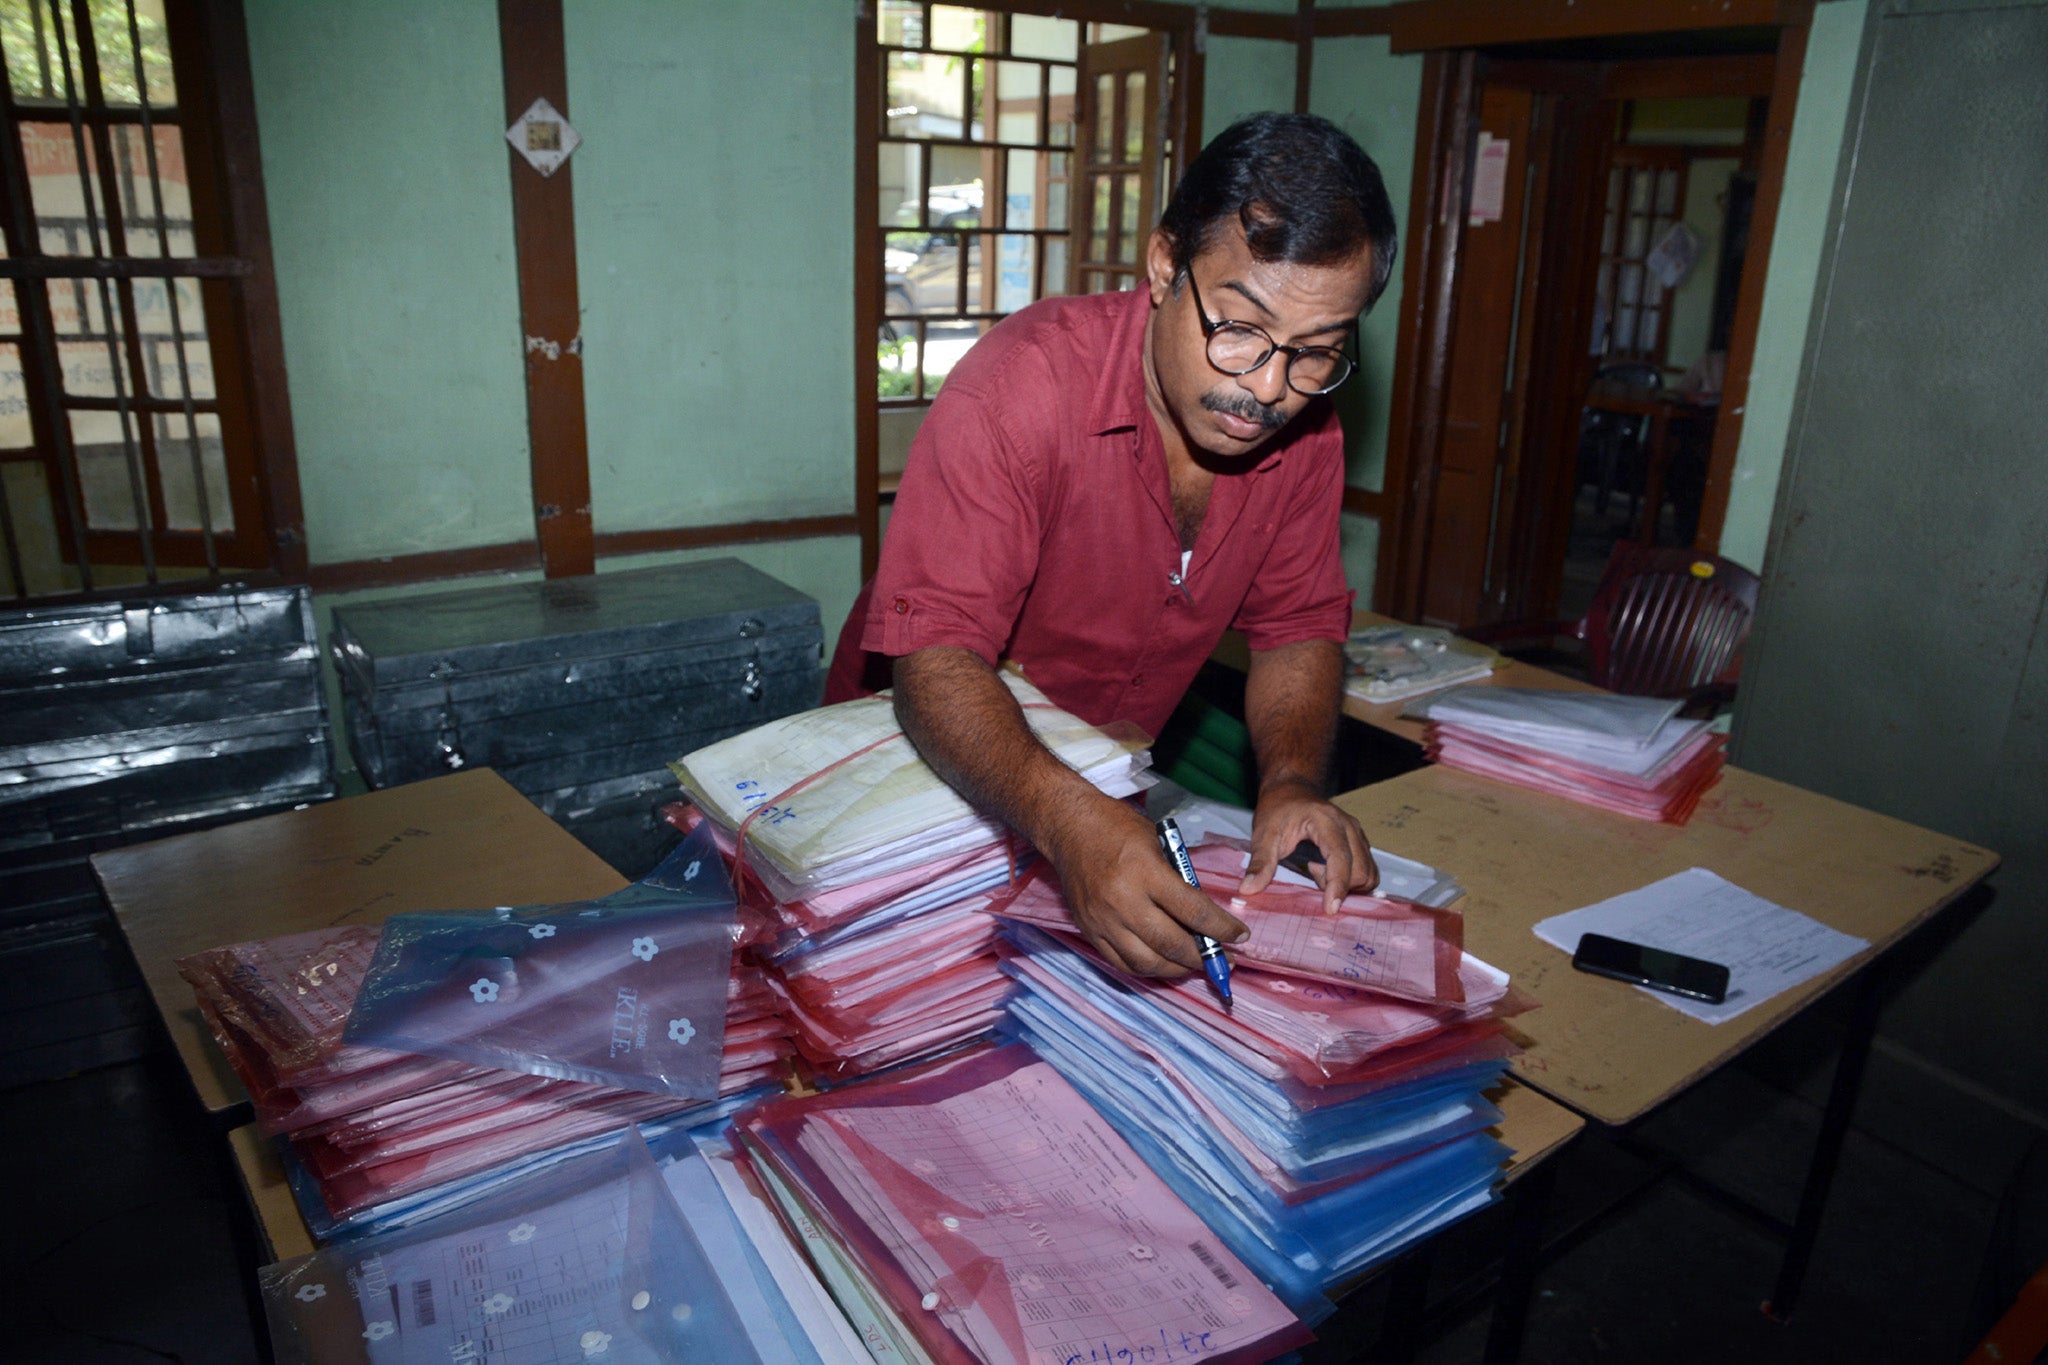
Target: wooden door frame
<point x="1453" y="73"/>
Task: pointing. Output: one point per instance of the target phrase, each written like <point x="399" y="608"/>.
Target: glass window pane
<point x="1017" y="88"/>
<point x="1056" y="189"/>
<point x="1631" y="282"/>
<point x="1057" y="39"/>
<point x="160" y="351"/>
<point x="109" y="471"/>
<point x="10" y="315"/>
<point x="1638" y="244"/>
<point x="61" y="196"/>
<point x="1607" y="228"/>
<point x="900" y="24"/>
<point x="35" y="71"/>
<point x="94" y="356"/>
<point x="120" y="82"/>
<point x="955" y="196"/>
<point x="171" y="196"/>
<point x="1098" y="221"/>
<point x="923" y="96"/>
<point x="896" y="360"/>
<point x="1639" y="191"/>
<point x="1624" y="328"/>
<point x="1130" y="234"/>
<point x="955" y="29"/>
<point x="1667" y="192"/>
<point x="15" y="433"/>
<point x="900" y="170"/>
<point x="1022" y="193"/>
<point x="1134" y="116"/>
<point x="1016" y="267"/>
<point x="1110" y="33"/>
<point x="184" y="453"/>
<point x="1095" y="281"/>
<point x="1055" y="266"/>
<point x="34" y="514"/>
<point x="1104" y="114"/>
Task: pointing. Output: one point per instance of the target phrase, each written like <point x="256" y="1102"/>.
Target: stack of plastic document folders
<point x="875" y="872"/>
<point x="1395" y="662"/>
<point x="1629" y="755"/>
<point x="421" y="1067"/>
<point x="1328" y="1117"/>
<point x="977" y="1208"/>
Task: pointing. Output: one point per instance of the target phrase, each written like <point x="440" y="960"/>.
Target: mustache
<point x="1245" y="408"/>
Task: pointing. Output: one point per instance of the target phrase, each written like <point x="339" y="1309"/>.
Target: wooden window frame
<point x="215" y="115"/>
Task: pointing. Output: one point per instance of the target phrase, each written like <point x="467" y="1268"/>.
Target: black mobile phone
<point x="1653" y="967"/>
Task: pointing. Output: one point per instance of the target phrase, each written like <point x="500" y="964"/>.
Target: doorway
<point x="1569" y="392"/>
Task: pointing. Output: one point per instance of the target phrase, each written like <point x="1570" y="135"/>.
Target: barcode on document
<point x="423" y="1302"/>
<point x="1216" y="1267"/>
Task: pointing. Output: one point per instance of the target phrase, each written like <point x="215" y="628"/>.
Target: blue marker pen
<point x="1215" y="965"/>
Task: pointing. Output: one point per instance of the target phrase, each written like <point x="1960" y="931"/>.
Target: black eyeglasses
<point x="1239" y="348"/>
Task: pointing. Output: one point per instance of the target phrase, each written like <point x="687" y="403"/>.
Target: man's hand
<point x="1127" y="898"/>
<point x="1289" y="812"/>
<point x="1129" y="901"/>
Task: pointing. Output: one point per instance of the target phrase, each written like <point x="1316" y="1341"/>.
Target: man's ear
<point x="1159" y="266"/>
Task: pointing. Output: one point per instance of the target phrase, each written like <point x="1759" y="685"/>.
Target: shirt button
<point x="1138" y="681"/>
<point x="902" y="605"/>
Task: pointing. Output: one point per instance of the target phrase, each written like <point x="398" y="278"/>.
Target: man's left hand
<point x="1288" y="813"/>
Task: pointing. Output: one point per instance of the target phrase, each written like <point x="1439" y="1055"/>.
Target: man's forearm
<point x="968" y="726"/>
<point x="1291" y="698"/>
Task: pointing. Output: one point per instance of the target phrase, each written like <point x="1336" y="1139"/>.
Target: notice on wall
<point x="1489" y="180"/>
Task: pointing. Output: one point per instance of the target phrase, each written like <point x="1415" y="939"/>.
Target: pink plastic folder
<point x="1394" y="947"/>
<point x="1003" y="1220"/>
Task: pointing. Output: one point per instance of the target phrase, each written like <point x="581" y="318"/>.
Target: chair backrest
<point x="1666" y="620"/>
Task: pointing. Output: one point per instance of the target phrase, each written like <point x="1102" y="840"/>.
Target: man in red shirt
<point x="1104" y="486"/>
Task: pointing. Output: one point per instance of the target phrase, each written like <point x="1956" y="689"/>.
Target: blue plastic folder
<point x="1362" y="1178"/>
<point x="629" y="990"/>
<point x="588" y="1261"/>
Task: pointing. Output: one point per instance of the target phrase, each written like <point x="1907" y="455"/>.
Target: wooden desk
<point x="464" y="841"/>
<point x="1606" y="1049"/>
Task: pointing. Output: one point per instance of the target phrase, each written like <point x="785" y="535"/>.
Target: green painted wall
<point x="1796" y="241"/>
<point x="391" y="221"/>
<point x="1372" y="94"/>
<point x="1244" y="76"/>
<point x="714" y="251"/>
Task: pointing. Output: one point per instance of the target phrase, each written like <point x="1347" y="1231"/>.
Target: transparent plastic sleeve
<point x="590" y="1260"/>
<point x="628" y="991"/>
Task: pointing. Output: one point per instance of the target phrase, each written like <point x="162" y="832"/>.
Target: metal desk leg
<point x="1407" y="1306"/>
<point x="1827" y="1147"/>
<point x="1521" y="1248"/>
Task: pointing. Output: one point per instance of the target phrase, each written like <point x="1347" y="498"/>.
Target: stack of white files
<point x="872" y="873"/>
<point x="838" y="795"/>
<point x="977" y="1209"/>
<point x="1317" y="1128"/>
<point x="1629" y="755"/>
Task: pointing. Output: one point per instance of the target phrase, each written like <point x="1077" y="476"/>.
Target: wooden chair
<point x="1665" y="621"/>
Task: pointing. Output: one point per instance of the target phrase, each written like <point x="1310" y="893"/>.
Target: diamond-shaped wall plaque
<point x="543" y="137"/>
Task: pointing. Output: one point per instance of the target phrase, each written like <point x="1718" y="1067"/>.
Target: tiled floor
<point x="116" y="1242"/>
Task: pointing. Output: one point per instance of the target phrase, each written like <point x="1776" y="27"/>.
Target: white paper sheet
<point x="1766" y="947"/>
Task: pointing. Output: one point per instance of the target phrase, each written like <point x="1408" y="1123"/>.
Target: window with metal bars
<point x="128" y="448"/>
<point x="1003" y="175"/>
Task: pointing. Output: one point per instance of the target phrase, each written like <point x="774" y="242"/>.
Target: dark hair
<point x="1302" y="189"/>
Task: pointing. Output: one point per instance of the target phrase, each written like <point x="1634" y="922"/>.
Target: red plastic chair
<point x="1665" y="621"/>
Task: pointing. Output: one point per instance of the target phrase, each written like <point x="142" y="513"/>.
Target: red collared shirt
<point x="1034" y="524"/>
